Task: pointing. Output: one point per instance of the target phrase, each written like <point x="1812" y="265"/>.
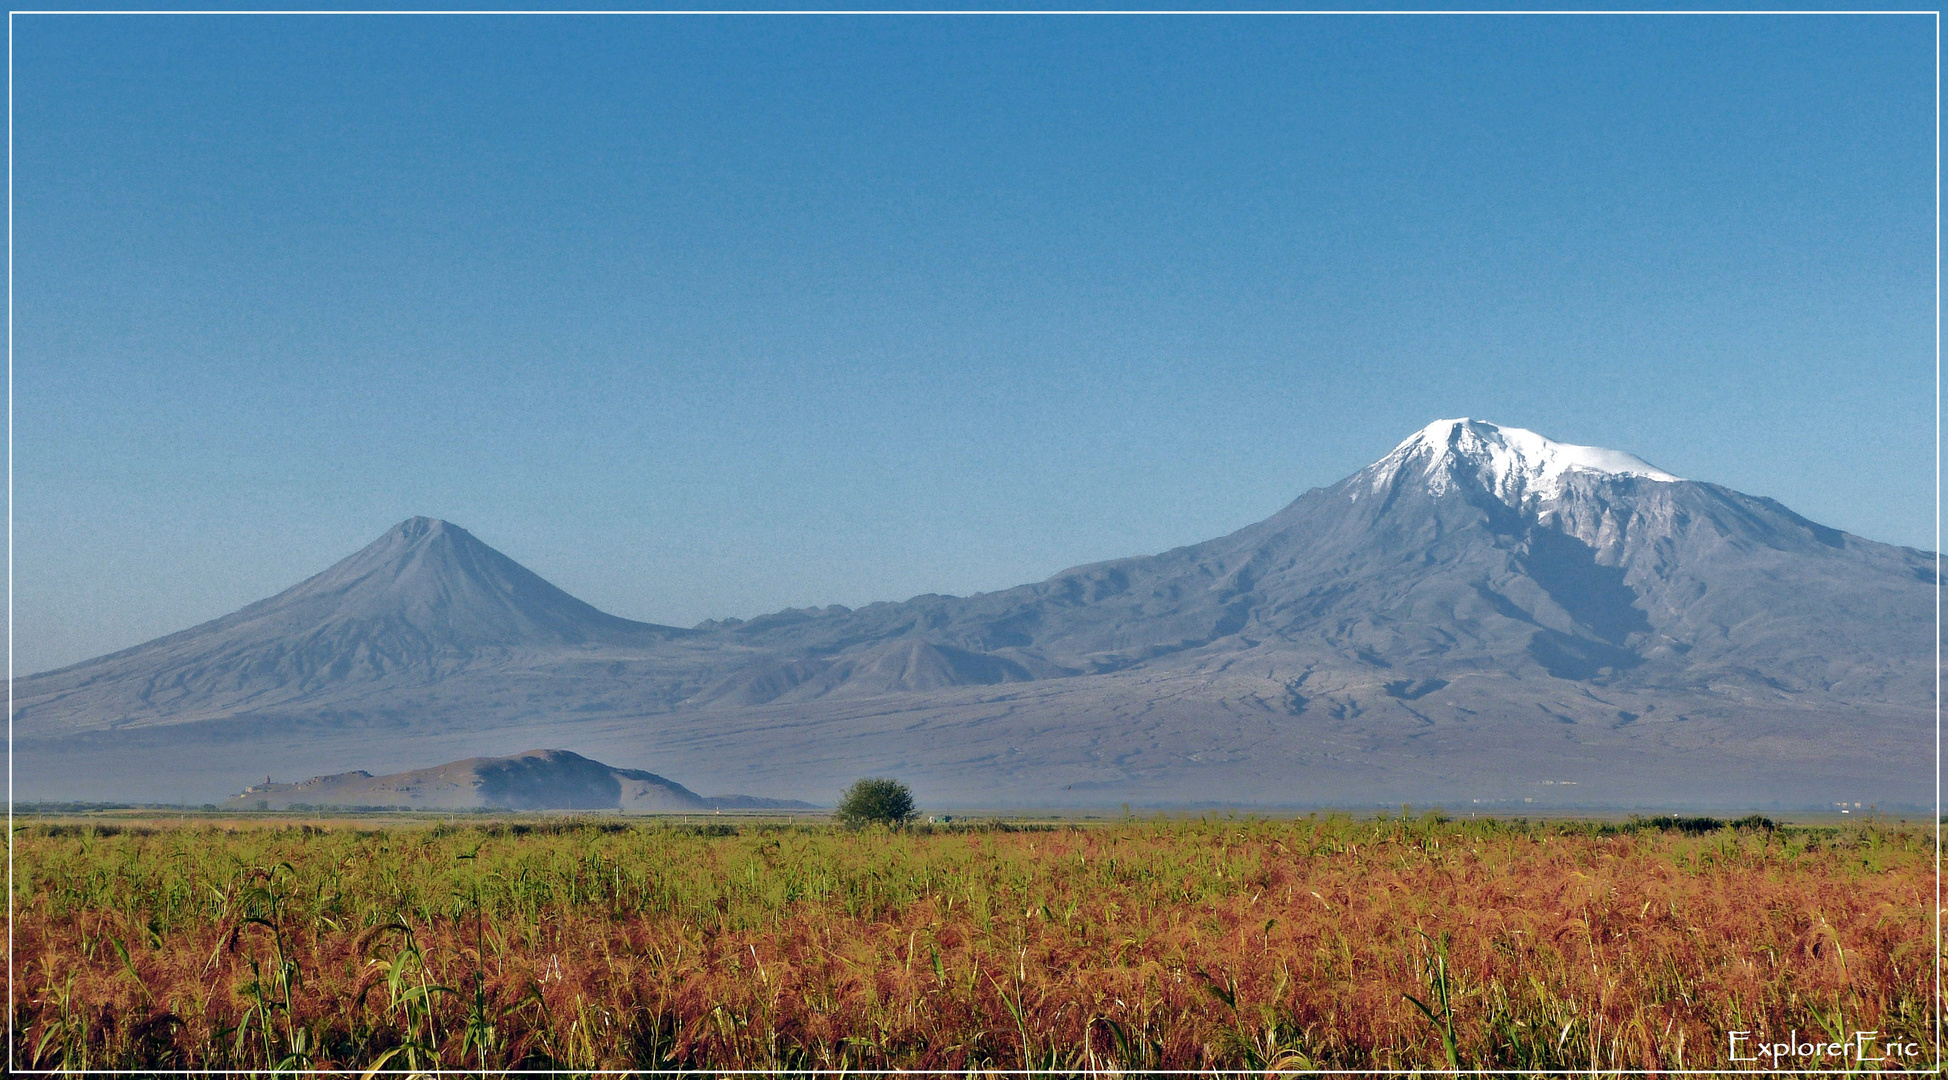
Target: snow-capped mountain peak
<point x="1515" y="464"/>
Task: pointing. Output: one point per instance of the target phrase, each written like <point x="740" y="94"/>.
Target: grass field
<point x="1313" y="942"/>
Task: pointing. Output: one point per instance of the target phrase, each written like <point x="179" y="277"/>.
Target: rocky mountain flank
<point x="1482" y="614"/>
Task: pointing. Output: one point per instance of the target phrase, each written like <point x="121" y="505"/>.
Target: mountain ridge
<point x="1472" y="581"/>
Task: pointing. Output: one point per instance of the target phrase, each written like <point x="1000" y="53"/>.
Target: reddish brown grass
<point x="1211" y="944"/>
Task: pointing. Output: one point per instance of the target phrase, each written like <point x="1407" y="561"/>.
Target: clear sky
<point x="714" y="316"/>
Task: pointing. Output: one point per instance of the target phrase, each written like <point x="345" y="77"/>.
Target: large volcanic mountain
<point x="1482" y="615"/>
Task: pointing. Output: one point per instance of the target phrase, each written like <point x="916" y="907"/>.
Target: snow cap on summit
<point x="1514" y="463"/>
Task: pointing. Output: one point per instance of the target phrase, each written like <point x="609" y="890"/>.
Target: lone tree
<point x="876" y="800"/>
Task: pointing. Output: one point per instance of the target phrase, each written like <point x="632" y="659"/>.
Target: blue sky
<point x="713" y="316"/>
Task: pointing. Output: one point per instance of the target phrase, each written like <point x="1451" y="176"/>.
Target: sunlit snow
<point x="1514" y="463"/>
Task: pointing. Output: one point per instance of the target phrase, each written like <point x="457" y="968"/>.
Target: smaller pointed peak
<point x="421" y="529"/>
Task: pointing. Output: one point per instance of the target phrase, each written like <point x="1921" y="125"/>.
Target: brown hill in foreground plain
<point x="535" y="780"/>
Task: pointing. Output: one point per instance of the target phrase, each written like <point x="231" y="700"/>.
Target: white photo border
<point x="963" y="12"/>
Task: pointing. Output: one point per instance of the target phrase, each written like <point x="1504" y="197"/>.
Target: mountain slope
<point x="424" y="602"/>
<point x="1449" y="552"/>
<point x="1476" y="609"/>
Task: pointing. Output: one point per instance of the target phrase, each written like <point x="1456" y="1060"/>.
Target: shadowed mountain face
<point x="1481" y="614"/>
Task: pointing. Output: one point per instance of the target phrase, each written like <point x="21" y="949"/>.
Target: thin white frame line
<point x="1937" y="543"/>
<point x="971" y="1071"/>
<point x="1935" y="14"/>
<point x="10" y="542"/>
<point x="989" y="11"/>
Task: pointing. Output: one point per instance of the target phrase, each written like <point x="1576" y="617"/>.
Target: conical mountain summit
<point x="432" y="582"/>
<point x="423" y="602"/>
<point x="1479" y="611"/>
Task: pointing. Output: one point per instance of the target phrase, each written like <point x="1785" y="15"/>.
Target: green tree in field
<point x="876" y="800"/>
